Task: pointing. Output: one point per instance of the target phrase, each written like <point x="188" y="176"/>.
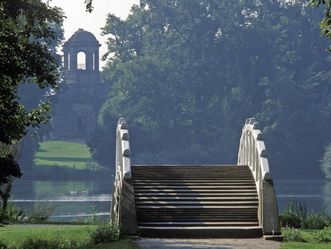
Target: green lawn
<point x="314" y="239"/>
<point x="301" y="245"/>
<point x="14" y="235"/>
<point x="63" y="154"/>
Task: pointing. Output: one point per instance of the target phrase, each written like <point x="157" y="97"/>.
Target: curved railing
<point x="252" y="152"/>
<point x="122" y="160"/>
<point x="123" y="213"/>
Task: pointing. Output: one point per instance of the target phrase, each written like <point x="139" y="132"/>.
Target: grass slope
<point x="303" y="245"/>
<point x="14" y="235"/>
<point x="314" y="239"/>
<point x="62" y="154"/>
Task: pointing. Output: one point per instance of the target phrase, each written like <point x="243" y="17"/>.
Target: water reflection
<point x="72" y="200"/>
<point x="79" y="200"/>
<point x="316" y="193"/>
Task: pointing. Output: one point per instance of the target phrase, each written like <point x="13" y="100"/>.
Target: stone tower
<point x="84" y="43"/>
<point x="81" y="93"/>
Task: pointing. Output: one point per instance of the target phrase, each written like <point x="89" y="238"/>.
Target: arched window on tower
<point x="81" y="61"/>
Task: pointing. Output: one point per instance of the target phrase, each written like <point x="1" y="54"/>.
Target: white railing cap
<point x="252" y="128"/>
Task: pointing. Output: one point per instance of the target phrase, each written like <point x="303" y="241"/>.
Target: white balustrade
<point x="252" y="152"/>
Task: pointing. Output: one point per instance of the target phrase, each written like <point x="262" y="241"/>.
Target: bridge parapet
<point x="123" y="212"/>
<point x="252" y="152"/>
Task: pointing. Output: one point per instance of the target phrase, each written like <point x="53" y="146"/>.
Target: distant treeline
<point x="186" y="75"/>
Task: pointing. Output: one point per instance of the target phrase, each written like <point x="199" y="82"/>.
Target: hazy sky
<point x="77" y="17"/>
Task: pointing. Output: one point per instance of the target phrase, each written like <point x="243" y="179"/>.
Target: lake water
<point x="71" y="200"/>
<point x="316" y="194"/>
<point x="80" y="200"/>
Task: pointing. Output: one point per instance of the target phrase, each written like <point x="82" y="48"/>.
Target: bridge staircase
<point x="196" y="201"/>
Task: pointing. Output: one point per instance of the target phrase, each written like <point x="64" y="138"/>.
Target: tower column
<point x="96" y="60"/>
<point x="89" y="60"/>
<point x="65" y="60"/>
<point x="73" y="59"/>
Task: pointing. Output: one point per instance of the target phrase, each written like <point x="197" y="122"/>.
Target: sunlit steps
<point x="196" y="201"/>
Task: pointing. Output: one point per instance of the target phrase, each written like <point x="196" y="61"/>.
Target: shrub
<point x="323" y="236"/>
<point x="3" y="245"/>
<point x="293" y="215"/>
<point x="293" y="235"/>
<point x="104" y="234"/>
<point x="296" y="215"/>
<point x="37" y="243"/>
<point x="41" y="212"/>
<point x="315" y="221"/>
<point x="289" y="220"/>
<point x="13" y="213"/>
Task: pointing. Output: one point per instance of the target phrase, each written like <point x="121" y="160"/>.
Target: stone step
<point x="197" y="219"/>
<point x="179" y="183"/>
<point x="199" y="223"/>
<point x="164" y="187"/>
<point x="170" y="172"/>
<point x="186" y="190"/>
<point x="189" y="180"/>
<point x="197" y="202"/>
<point x="219" y="206"/>
<point x="184" y="211"/>
<point x="195" y="194"/>
<point x="200" y="232"/>
<point x="194" y="198"/>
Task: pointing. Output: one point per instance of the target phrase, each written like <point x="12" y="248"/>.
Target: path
<point x="207" y="244"/>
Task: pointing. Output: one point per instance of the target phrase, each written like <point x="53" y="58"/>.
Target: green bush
<point x="289" y="220"/>
<point x="323" y="236"/>
<point x="37" y="243"/>
<point x="13" y="213"/>
<point x="315" y="221"/>
<point x="40" y="212"/>
<point x="293" y="235"/>
<point x="296" y="215"/>
<point x="104" y="234"/>
<point x="3" y="245"/>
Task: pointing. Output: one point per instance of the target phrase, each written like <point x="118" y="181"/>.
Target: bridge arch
<point x="139" y="208"/>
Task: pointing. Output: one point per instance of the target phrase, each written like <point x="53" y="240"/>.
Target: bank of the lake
<point x="15" y="235"/>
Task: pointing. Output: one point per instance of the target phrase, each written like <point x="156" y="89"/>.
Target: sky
<point x="77" y="17"/>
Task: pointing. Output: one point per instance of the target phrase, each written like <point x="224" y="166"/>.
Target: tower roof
<point x="82" y="37"/>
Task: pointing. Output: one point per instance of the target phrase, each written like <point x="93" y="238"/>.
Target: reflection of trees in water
<point x="327" y="197"/>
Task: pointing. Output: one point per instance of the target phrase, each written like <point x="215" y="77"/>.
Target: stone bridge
<point x="205" y="201"/>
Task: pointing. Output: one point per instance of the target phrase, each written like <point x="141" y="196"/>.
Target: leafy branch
<point x="325" y="24"/>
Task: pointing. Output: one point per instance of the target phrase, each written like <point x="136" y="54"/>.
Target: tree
<point x="186" y="74"/>
<point x="27" y="36"/>
<point x="325" y="24"/>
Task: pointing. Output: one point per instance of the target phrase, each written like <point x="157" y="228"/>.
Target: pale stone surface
<point x="145" y="243"/>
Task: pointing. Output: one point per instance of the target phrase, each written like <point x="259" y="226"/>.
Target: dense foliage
<point x="297" y="215"/>
<point x="325" y="24"/>
<point x="186" y="75"/>
<point x="28" y="39"/>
